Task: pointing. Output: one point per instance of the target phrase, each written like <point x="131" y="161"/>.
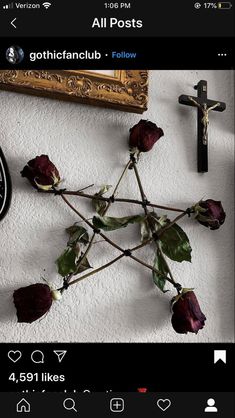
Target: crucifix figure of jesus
<point x="204" y="106"/>
<point x="205" y="119"/>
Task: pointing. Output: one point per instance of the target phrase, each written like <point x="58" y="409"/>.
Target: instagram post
<point x="71" y="163"/>
<point x="117" y="209"/>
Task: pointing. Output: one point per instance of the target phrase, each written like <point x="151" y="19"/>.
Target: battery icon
<point x="225" y="5"/>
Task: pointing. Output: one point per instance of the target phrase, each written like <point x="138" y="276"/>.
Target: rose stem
<point x="95" y="271"/>
<point x="117" y="185"/>
<point x="85" y="188"/>
<point x="143" y="197"/>
<point x="107" y="199"/>
<point x="91" y="273"/>
<point x="162" y="230"/>
<point x="113" y="243"/>
<point x="105" y="211"/>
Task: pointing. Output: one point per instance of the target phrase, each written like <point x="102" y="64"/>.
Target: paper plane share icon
<point x="60" y="354"/>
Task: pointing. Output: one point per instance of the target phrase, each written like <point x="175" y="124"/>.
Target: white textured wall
<point x="89" y="145"/>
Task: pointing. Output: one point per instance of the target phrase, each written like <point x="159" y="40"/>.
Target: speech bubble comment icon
<point x="37" y="357"/>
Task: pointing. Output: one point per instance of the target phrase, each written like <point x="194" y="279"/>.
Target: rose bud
<point x="210" y="213"/>
<point x="187" y="315"/>
<point x="56" y="295"/>
<point x="41" y="173"/>
<point x="32" y="302"/>
<point x="144" y="135"/>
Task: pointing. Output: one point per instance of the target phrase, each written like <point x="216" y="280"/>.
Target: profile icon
<point x="14" y="54"/>
<point x="211" y="406"/>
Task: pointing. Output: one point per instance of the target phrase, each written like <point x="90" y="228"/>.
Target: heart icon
<point x="14" y="355"/>
<point x="164" y="404"/>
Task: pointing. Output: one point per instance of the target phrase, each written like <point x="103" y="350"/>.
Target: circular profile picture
<point x="14" y="54"/>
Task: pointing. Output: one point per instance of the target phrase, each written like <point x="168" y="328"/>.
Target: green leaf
<point x="175" y="244"/>
<point x="157" y="222"/>
<point x="104" y="189"/>
<point x="162" y="221"/>
<point x="145" y="230"/>
<point x="108" y="223"/>
<point x="85" y="265"/>
<point x="77" y="234"/>
<point x="100" y="205"/>
<point x="160" y="265"/>
<point x="66" y="263"/>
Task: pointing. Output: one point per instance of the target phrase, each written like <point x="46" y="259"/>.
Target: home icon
<point x="23" y="406"/>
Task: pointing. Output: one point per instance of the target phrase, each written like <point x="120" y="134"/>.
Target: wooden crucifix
<point x="204" y="106"/>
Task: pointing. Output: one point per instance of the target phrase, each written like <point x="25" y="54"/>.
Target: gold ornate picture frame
<point x="126" y="90"/>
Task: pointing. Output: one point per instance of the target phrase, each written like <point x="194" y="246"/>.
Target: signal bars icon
<point x="8" y="6"/>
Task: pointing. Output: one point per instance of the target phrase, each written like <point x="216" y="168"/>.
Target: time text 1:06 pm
<point x="36" y="377"/>
<point x="116" y="5"/>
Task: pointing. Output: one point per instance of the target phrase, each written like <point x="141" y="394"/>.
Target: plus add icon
<point x="117" y="405"/>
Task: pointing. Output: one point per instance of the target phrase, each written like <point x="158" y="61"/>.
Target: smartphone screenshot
<point x="117" y="209"/>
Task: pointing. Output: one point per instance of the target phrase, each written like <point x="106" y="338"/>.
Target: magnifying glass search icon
<point x="69" y="404"/>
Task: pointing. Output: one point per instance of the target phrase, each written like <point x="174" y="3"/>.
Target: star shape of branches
<point x="169" y="239"/>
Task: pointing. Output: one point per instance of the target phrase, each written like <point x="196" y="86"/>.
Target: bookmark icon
<point x="220" y="355"/>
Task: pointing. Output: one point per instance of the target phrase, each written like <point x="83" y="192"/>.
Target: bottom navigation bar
<point x="87" y="404"/>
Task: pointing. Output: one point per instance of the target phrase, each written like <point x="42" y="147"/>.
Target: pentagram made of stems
<point x="132" y="164"/>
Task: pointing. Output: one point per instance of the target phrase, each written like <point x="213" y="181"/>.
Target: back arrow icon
<point x="12" y="23"/>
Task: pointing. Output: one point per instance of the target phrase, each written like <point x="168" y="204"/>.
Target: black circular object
<point x="5" y="186"/>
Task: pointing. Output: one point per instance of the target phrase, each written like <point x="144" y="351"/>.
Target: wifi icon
<point x="46" y="5"/>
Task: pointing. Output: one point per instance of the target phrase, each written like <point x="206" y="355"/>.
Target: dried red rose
<point x="187" y="315"/>
<point x="41" y="173"/>
<point x="210" y="213"/>
<point x="144" y="135"/>
<point x="32" y="302"/>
